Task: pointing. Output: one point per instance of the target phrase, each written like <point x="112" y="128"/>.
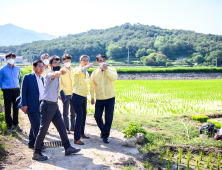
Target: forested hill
<point x="141" y="40"/>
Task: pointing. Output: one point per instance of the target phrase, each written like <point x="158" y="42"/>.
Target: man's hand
<point x="92" y="101"/>
<point x="62" y="71"/>
<point x="24" y="108"/>
<point x="90" y="65"/>
<point x="105" y="67"/>
<point x="60" y="98"/>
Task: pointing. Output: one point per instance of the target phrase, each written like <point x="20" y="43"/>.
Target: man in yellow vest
<point x="45" y="59"/>
<point x="66" y="84"/>
<point x="79" y="100"/>
<point x="102" y="84"/>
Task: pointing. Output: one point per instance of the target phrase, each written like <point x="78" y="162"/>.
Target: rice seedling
<point x="210" y="157"/>
<point x="218" y="165"/>
<point x="180" y="153"/>
<point x="197" y="164"/>
<point x="168" y="151"/>
<point x="161" y="156"/>
<point x="188" y="159"/>
<point x="218" y="157"/>
<point x="201" y="155"/>
<point x="169" y="162"/>
<point x="208" y="163"/>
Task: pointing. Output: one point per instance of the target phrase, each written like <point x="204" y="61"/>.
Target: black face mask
<point x="57" y="68"/>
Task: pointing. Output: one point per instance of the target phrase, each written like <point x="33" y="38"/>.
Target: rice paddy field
<point x="166" y="97"/>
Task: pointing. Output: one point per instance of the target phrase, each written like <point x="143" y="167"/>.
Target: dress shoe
<point x="78" y="142"/>
<point x="68" y="132"/>
<point x="105" y="140"/>
<point x="39" y="157"/>
<point x="84" y="136"/>
<point x="72" y="129"/>
<point x="70" y="150"/>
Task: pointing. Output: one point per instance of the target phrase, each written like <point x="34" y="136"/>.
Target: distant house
<point x="181" y="58"/>
<point x="19" y="59"/>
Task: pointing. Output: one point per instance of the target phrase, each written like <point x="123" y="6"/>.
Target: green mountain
<point x="13" y="35"/>
<point x="142" y="40"/>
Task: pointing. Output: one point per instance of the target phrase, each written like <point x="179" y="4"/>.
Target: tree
<point x="199" y="59"/>
<point x="149" y="51"/>
<point x="140" y="53"/>
<point x="114" y="51"/>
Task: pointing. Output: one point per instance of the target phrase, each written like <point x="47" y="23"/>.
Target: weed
<point x="133" y="129"/>
<point x="147" y="165"/>
<point x="218" y="165"/>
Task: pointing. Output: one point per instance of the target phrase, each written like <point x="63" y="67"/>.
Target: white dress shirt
<point x="102" y="70"/>
<point x="40" y="85"/>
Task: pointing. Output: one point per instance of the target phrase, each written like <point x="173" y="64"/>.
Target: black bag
<point x="208" y="129"/>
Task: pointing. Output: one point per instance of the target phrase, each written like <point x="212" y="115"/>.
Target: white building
<point x="18" y="59"/>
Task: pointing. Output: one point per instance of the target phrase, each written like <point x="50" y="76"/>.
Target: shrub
<point x="218" y="125"/>
<point x="200" y="118"/>
<point x="133" y="129"/>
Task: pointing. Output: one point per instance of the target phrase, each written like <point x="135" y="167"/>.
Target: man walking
<point x="32" y="93"/>
<point x="49" y="111"/>
<point x="9" y="83"/>
<point x="102" y="83"/>
<point x="79" y="100"/>
<point x="66" y="84"/>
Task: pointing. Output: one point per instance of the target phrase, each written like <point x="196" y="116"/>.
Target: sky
<point x="62" y="17"/>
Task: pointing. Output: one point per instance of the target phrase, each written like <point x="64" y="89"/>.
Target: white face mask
<point x="67" y="64"/>
<point x="101" y="64"/>
<point x="86" y="80"/>
<point x="46" y="62"/>
<point x="10" y="61"/>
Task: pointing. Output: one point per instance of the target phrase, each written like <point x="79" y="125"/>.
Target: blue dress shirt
<point x="9" y="77"/>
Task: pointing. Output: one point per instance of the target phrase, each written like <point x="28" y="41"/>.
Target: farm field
<point x="166" y="97"/>
<point x="164" y="109"/>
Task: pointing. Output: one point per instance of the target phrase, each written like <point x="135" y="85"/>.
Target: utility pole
<point x="216" y="61"/>
<point x="128" y="57"/>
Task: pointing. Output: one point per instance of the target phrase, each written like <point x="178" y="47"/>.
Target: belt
<point x="45" y="101"/>
<point x="14" y="88"/>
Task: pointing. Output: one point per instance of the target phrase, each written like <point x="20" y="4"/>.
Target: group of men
<point x="41" y="89"/>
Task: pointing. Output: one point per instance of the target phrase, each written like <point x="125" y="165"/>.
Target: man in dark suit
<point x="31" y="96"/>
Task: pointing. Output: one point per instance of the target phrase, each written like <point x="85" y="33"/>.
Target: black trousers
<point x="10" y="96"/>
<point x="108" y="105"/>
<point x="80" y="105"/>
<point x="50" y="113"/>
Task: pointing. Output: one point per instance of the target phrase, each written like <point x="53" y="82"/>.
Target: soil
<point x="154" y="157"/>
<point x="94" y="154"/>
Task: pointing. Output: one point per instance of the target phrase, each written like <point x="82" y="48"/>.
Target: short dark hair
<point x="10" y="54"/>
<point x="66" y="56"/>
<point x="35" y="63"/>
<point x="54" y="57"/>
<point x="45" y="54"/>
<point x="100" y="55"/>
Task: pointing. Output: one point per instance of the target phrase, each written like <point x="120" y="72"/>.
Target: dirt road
<point x="94" y="154"/>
